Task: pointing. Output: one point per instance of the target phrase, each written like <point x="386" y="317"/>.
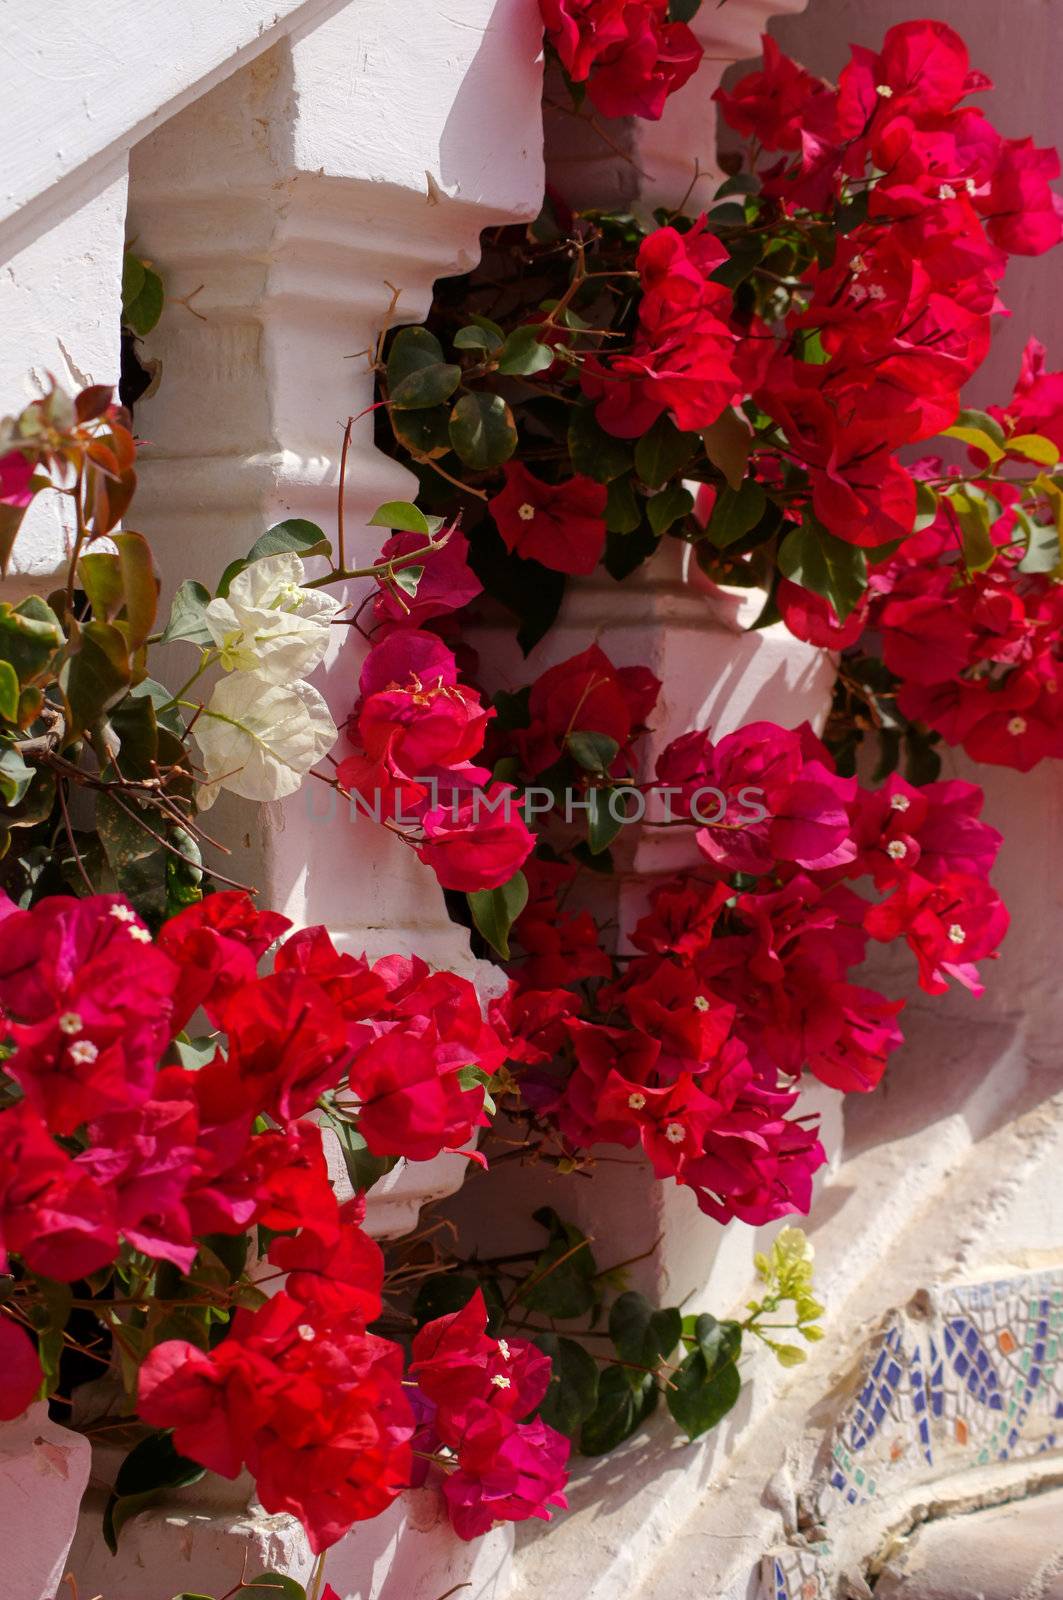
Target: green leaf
<point x="296" y="534"/>
<point x="143" y="295"/>
<point x="423" y="433"/>
<point x="561" y="1283"/>
<point x="828" y="566"/>
<point x="604" y="821"/>
<point x="442" y="1295"/>
<point x="1034" y="447"/>
<point x="30" y="636"/>
<point x="402" y="516"/>
<point x="195" y="1053"/>
<point x="133" y="720"/>
<point x="981" y="422"/>
<point x="972" y="514"/>
<point x="668" y="507"/>
<point x="595" y="752"/>
<point x="482" y="430"/>
<point x="363" y="1168"/>
<point x="272" y="1586"/>
<point x="186" y="615"/>
<point x="662" y="452"/>
<point x="573" y="1392"/>
<point x="523" y="354"/>
<point x="418" y="376"/>
<point x="595" y="453"/>
<point x="619" y="1413"/>
<point x="736" y="511"/>
<point x="642" y="1335"/>
<point x="9" y="692"/>
<point x="150" y="1467"/>
<point x="408" y="579"/>
<point x="96" y="675"/>
<point x="494" y="911"/>
<point x="707" y="1383"/>
<point x="927" y="502"/>
<point x="978" y="438"/>
<point x="474" y="337"/>
<point x="136" y="858"/>
<point x="15" y="777"/>
<point x="623" y="509"/>
<point x="727" y="445"/>
<point x="683" y="10"/>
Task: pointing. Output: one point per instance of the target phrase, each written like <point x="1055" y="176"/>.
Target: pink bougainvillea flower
<point x="446" y="583"/>
<point x="478" y="841"/>
<point x="560" y="525"/>
<point x="626" y="51"/>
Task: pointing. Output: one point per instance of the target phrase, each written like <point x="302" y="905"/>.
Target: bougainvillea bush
<point x="774" y="381"/>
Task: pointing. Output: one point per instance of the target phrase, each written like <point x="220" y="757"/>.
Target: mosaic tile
<point x="977" y="1380"/>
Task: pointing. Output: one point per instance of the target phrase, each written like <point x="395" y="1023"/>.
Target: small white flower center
<point x="503" y="1349"/>
<point x="877" y="292"/>
<point x="305" y="1331"/>
<point x="897" y="849"/>
<point x="83" y="1052"/>
<point x="946" y="192"/>
<point x="526" y="512"/>
<point x="141" y="935"/>
<point x="1017" y="725"/>
<point x="500" y="1381"/>
<point x="701" y="1003"/>
<point x="675" y="1133"/>
<point x="956" y="934"/>
<point x="858" y="264"/>
<point x="884" y="91"/>
<point x="70" y="1022"/>
<point x="123" y="914"/>
<point x="636" y="1101"/>
<point x="970" y="185"/>
<point x="899" y="802"/>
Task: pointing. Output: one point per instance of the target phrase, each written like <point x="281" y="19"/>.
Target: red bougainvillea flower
<point x="507" y="1472"/>
<point x="52" y="1213"/>
<point x="216" y="946"/>
<point x="626" y="51"/>
<point x="315" y="1409"/>
<point x="20" y="1370"/>
<point x="560" y="525"/>
<point x="476" y="841"/>
<point x="586" y="693"/>
<point x="286" y="1043"/>
<point x="90" y="1000"/>
<point x="778" y="104"/>
<point x="949" y="925"/>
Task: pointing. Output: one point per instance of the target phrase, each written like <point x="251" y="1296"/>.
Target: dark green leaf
<point x="441" y="1296"/>
<point x="595" y="752"/>
<point x="229" y="574"/>
<point x="735" y="513"/>
<point x="683" y="10"/>
<point x="595" y="453"/>
<point x="150" y="1467"/>
<point x="96" y="676"/>
<point x="643" y="1336"/>
<point x="531" y="591"/>
<point x="423" y="433"/>
<point x="561" y="1283"/>
<point x="707" y="1383"/>
<point x="482" y="430"/>
<point x="573" y="1392"/>
<point x="727" y="444"/>
<point x="418" y="376"/>
<point x="663" y="452"/>
<point x="668" y="507"/>
<point x="523" y="354"/>
<point x="982" y="422"/>
<point x="363" y="1168"/>
<point x="605" y="818"/>
<point x="273" y="1586"/>
<point x="625" y="552"/>
<point x="133" y="720"/>
<point x="30" y="635"/>
<point x="186" y="615"/>
<point x="828" y="566"/>
<point x="474" y="337"/>
<point x="494" y="911"/>
<point x="623" y="509"/>
<point x="619" y="1413"/>
<point x="305" y="538"/>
